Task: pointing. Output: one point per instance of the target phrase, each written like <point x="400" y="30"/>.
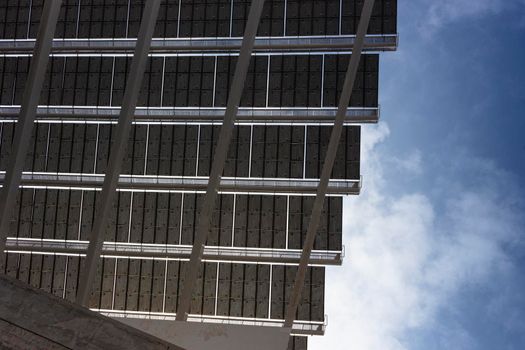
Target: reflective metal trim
<point x="387" y="42"/>
<point x="155" y="183"/>
<point x="173" y="252"/>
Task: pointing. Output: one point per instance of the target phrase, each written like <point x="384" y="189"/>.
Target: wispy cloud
<point x="443" y="12"/>
<point x="409" y="256"/>
<point x="410" y="164"/>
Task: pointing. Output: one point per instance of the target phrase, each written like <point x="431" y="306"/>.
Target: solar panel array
<point x="255" y="238"/>
<point x="197" y="18"/>
<point x="307" y="80"/>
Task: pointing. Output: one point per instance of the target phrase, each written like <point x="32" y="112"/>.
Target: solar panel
<point x="198" y="18"/>
<point x="257" y="233"/>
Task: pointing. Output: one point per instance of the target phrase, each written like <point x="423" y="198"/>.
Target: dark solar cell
<point x="144" y="289"/>
<point x="313" y="293"/>
<point x="68" y="19"/>
<point x="157" y="285"/>
<point x="383" y="20"/>
<point x="312" y="17"/>
<point x="89" y="144"/>
<point x="133" y="285"/>
<point x="46" y="276"/>
<point x="254" y="94"/>
<point x="73" y="215"/>
<point x="364" y="93"/>
<point x="34" y="18"/>
<point x="136" y="234"/>
<point x="102" y="147"/>
<point x="134" y="15"/>
<point x="272" y="18"/>
<point x="14" y="17"/>
<point x="87" y="213"/>
<point x="240" y="13"/>
<point x="106" y="283"/>
<point x="59" y="275"/>
<point x="138" y="146"/>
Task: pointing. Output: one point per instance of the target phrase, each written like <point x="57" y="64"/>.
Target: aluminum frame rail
<point x="32" y="90"/>
<point x="161" y="46"/>
<point x="171" y="251"/>
<point x="220" y="155"/>
<point x="155" y="183"/>
<point x="328" y="164"/>
<point x="118" y="150"/>
<point x="245" y="115"/>
<point x="299" y="327"/>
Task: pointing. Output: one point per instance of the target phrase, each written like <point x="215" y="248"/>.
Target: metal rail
<point x="172" y="251"/>
<point x="32" y="90"/>
<point x="118" y="149"/>
<point x="220" y="156"/>
<point x="245" y="115"/>
<point x="298" y="327"/>
<point x="170" y="46"/>
<point x="328" y="164"/>
<point x="154" y="183"/>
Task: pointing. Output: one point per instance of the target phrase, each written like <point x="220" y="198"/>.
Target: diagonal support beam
<point x="328" y="163"/>
<point x="118" y="150"/>
<point x="219" y="158"/>
<point x="24" y="126"/>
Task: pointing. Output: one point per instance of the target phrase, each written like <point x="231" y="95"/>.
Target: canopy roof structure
<point x="173" y="162"/>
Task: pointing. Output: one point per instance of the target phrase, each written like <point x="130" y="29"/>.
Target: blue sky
<point x="435" y="244"/>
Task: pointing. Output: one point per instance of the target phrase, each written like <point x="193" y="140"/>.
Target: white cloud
<point x="409" y="256"/>
<point x="411" y="164"/>
<point x="444" y="11"/>
<point x="440" y="13"/>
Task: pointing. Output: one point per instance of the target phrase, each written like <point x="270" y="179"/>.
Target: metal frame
<point x="328" y="163"/>
<point x="32" y="90"/>
<point x="183" y="47"/>
<point x="245" y="115"/>
<point x="299" y="327"/>
<point x="171" y="251"/>
<point x="155" y="183"/>
<point x="382" y="42"/>
<point x="220" y="155"/>
<point x="118" y="150"/>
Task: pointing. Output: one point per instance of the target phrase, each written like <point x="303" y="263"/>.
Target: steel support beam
<point x="118" y="150"/>
<point x="328" y="163"/>
<point x="154" y="183"/>
<point x="162" y="46"/>
<point x="219" y="158"/>
<point x="203" y="115"/>
<point x="299" y="327"/>
<point x="32" y="90"/>
<point x="172" y="251"/>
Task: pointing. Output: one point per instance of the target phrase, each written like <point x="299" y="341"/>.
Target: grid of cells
<point x="202" y="81"/>
<point x="155" y="285"/>
<point x="239" y="220"/>
<point x="196" y="18"/>
<point x="178" y="149"/>
<point x="187" y="150"/>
